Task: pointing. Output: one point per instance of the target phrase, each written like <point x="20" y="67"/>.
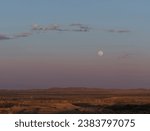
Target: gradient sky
<point x="42" y="59"/>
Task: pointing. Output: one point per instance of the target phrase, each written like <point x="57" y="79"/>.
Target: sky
<point x="55" y="43"/>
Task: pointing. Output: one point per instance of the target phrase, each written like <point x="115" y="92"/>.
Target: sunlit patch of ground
<point x="75" y="100"/>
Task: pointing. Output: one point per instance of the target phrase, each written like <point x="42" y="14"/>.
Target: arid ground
<point x="75" y="100"/>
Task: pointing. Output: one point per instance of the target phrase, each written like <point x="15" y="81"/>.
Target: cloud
<point x="23" y="34"/>
<point x="37" y="27"/>
<point x="74" y="27"/>
<point x="80" y="30"/>
<point x="45" y="28"/>
<point x="118" y="31"/>
<point x="14" y="36"/>
<point x="56" y="27"/>
<point x="80" y="27"/>
<point x="126" y="56"/>
<point x="5" y="37"/>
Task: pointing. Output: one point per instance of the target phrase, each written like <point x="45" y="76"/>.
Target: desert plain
<point x="75" y="101"/>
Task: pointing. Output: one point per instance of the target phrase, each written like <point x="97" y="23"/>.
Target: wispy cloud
<point x="80" y="27"/>
<point x="38" y="27"/>
<point x="127" y="55"/>
<point x="14" y="36"/>
<point x="74" y="27"/>
<point x="56" y="27"/>
<point x="118" y="30"/>
<point x="23" y="34"/>
<point x="5" y="37"/>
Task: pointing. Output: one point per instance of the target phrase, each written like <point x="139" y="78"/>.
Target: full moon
<point x="100" y="53"/>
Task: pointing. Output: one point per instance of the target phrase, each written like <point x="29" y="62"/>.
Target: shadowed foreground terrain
<point x="75" y="100"/>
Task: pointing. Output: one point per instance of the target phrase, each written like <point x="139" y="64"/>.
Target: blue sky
<point x="98" y="12"/>
<point x="45" y="58"/>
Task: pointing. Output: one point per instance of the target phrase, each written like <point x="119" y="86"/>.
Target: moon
<point x="100" y="53"/>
